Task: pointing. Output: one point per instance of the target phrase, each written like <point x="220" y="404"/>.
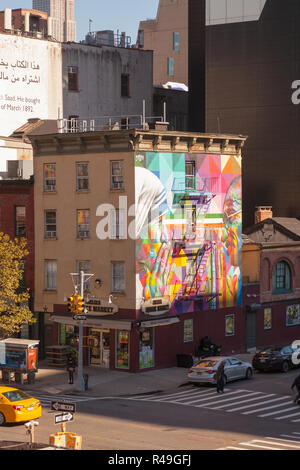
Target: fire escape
<point x="196" y="193"/>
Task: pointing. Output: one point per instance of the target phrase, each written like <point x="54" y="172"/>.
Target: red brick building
<point x="17" y="219"/>
<point x="23" y="19"/>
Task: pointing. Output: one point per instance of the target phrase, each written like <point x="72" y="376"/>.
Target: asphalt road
<point x="186" y="418"/>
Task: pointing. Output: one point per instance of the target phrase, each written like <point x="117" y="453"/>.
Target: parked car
<point x="17" y="406"/>
<point x="204" y="371"/>
<point x="275" y="358"/>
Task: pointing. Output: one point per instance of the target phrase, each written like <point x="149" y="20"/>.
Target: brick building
<point x="25" y="20"/>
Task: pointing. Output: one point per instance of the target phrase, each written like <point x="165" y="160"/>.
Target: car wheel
<point x="249" y="373"/>
<point x="285" y="367"/>
<point x="2" y="419"/>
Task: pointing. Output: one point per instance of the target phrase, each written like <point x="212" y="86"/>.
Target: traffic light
<point x="80" y="304"/>
<point x="71" y="303"/>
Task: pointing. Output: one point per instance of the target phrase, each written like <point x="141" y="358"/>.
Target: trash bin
<point x="86" y="381"/>
<point x="184" y="360"/>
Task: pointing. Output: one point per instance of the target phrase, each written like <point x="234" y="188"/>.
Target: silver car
<point x="204" y="370"/>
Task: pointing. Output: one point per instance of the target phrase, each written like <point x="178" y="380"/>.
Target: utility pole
<point x="80" y="352"/>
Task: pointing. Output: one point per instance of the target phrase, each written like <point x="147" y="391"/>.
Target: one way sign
<point x="63" y="418"/>
<point x="63" y="406"/>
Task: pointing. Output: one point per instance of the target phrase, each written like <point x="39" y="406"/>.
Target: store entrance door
<point x="99" y="347"/>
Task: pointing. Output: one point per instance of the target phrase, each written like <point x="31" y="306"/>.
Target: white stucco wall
<point x="30" y="81"/>
<point x="100" y="70"/>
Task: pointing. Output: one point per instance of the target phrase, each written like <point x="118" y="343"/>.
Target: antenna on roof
<point x="90" y="24"/>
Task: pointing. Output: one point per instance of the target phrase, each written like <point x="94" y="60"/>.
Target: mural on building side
<point x="188" y="230"/>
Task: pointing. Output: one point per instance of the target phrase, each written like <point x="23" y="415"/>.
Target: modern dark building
<point x="252" y="67"/>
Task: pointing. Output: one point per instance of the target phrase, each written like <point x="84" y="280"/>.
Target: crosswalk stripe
<point x="232" y="448"/>
<point x="186" y="393"/>
<point x="223" y="400"/>
<point x="278" y="443"/>
<point x="288" y="416"/>
<point x="277" y="412"/>
<point x="267" y="407"/>
<point x="212" y="397"/>
<point x="243" y="401"/>
<point x="290" y="436"/>
<point x="253" y="444"/>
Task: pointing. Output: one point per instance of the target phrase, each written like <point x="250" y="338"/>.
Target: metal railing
<point x="110" y="123"/>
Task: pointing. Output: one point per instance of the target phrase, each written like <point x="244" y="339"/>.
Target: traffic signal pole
<point x="80" y="346"/>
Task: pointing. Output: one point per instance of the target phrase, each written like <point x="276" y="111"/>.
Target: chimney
<point x="27" y="22"/>
<point x="7" y="18"/>
<point x="262" y="213"/>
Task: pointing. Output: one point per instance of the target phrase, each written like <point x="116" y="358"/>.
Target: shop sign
<point x="156" y="307"/>
<point x="100" y="306"/>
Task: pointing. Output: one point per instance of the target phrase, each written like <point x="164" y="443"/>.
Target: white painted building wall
<point x="30" y="81"/>
<point x="99" y="75"/>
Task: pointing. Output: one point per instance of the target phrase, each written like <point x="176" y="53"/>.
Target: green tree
<point x="14" y="310"/>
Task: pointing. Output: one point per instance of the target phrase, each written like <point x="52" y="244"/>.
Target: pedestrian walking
<point x="296" y="384"/>
<point x="219" y="377"/>
<point x="71" y="364"/>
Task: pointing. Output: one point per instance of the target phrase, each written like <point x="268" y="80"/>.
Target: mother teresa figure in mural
<point x="154" y="247"/>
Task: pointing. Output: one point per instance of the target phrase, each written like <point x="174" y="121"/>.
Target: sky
<point x="122" y="15"/>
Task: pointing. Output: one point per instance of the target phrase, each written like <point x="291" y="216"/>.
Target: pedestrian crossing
<point x="245" y="402"/>
<point x="269" y="443"/>
<point x="46" y="399"/>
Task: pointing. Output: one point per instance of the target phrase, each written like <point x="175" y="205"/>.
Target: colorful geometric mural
<point x="188" y="229"/>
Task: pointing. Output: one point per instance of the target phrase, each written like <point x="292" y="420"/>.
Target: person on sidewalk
<point x="296" y="384"/>
<point x="219" y="377"/>
<point x="71" y="364"/>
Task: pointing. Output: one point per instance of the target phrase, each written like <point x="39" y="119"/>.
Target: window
<point x="122" y="349"/>
<point x="84" y="266"/>
<point x="188" y="331"/>
<point x="50" y="274"/>
<point x="82" y="176"/>
<point x="73" y="78"/>
<point x="73" y="123"/>
<point x="20" y="221"/>
<point x="175" y="41"/>
<point x="281" y="278"/>
<point x="125" y="85"/>
<point x="190" y="168"/>
<point x="118" y="276"/>
<point x="50" y="224"/>
<point x="83" y="223"/>
<point x="50" y="177"/>
<point x="170" y="66"/>
<point x="117" y="175"/>
<point x="117" y="223"/>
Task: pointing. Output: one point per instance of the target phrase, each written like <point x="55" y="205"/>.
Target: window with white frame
<point x="50" y="223"/>
<point x="82" y="176"/>
<point x="50" y="274"/>
<point x="20" y="221"/>
<point x="83" y="223"/>
<point x="117" y="223"/>
<point x="116" y="175"/>
<point x="118" y="276"/>
<point x="50" y="177"/>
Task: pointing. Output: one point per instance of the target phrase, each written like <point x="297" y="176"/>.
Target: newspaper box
<point x="19" y="356"/>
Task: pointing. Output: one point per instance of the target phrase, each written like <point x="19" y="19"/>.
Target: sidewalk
<point x="105" y="382"/>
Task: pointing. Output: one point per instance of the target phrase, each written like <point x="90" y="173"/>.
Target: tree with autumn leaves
<point x="14" y="309"/>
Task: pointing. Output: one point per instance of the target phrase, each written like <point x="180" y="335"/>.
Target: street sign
<point x="63" y="406"/>
<point x="63" y="418"/>
<point x="79" y="317"/>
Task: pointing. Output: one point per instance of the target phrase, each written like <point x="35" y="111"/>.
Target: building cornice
<point x="137" y="140"/>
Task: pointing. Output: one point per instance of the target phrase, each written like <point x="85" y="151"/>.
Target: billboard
<point x="26" y="68"/>
<point x="188" y="230"/>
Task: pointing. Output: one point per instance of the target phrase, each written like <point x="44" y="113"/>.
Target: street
<point x="254" y="414"/>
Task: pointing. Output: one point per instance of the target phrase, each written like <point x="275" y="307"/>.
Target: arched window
<point x="282" y="279"/>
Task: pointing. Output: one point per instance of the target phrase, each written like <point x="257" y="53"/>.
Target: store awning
<point x="159" y="322"/>
<point x="93" y="322"/>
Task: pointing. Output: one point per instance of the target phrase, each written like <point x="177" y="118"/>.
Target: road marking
<point x="188" y="393"/>
<point x="277" y="412"/>
<point x="253" y="444"/>
<point x="223" y="400"/>
<point x="243" y="401"/>
<point x="287" y="440"/>
<point x="232" y="448"/>
<point x="289" y="416"/>
<point x="267" y="407"/>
